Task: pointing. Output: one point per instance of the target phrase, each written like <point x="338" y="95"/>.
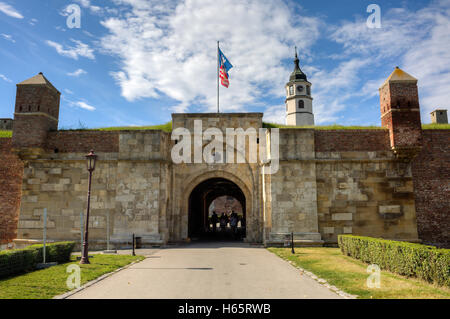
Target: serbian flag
<point x="224" y="67"/>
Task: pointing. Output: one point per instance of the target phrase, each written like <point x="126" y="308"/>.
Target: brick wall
<point x="11" y="170"/>
<point x="351" y="140"/>
<point x="431" y="172"/>
<point x="83" y="141"/>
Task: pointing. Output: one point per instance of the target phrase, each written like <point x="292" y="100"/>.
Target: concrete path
<point x="205" y="271"/>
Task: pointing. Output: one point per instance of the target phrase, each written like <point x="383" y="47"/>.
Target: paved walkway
<point x="205" y="271"/>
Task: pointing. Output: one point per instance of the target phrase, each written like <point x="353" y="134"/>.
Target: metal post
<point x="81" y="232"/>
<point x="107" y="232"/>
<point x="85" y="257"/>
<point x="292" y="243"/>
<point x="218" y="66"/>
<point x="134" y="245"/>
<point x="45" y="234"/>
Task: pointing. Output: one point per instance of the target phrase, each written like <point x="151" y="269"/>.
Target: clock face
<point x="299" y="89"/>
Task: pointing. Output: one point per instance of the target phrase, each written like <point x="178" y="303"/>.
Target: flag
<point x="224" y="67"/>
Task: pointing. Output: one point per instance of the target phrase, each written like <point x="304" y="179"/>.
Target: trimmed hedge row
<point x="23" y="260"/>
<point x="407" y="259"/>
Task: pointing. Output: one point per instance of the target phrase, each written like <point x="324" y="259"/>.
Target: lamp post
<point x="90" y="164"/>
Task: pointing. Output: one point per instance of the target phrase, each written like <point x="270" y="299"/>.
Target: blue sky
<point x="134" y="62"/>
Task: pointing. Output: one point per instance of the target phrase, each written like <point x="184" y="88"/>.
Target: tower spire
<point x="296" y="60"/>
<point x="297" y="74"/>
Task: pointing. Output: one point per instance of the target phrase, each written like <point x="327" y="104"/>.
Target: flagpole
<point x="218" y="87"/>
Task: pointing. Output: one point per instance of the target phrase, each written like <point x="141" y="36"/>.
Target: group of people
<point x="223" y="220"/>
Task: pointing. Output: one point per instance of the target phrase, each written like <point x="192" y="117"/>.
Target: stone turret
<point x="400" y="113"/>
<point x="36" y="113"/>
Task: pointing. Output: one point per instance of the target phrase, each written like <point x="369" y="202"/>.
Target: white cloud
<point x="275" y="114"/>
<point x="79" y="50"/>
<point x="68" y="91"/>
<point x="84" y="105"/>
<point x="33" y="21"/>
<point x="77" y="73"/>
<point x="4" y="78"/>
<point x="10" y="11"/>
<point x="417" y="41"/>
<point x="8" y="37"/>
<point x="87" y="4"/>
<point x="170" y="49"/>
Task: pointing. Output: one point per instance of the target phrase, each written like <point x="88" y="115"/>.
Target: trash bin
<point x="138" y="242"/>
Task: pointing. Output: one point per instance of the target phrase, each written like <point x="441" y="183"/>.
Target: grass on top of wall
<point x="164" y="127"/>
<point x="436" y="126"/>
<point x="5" y="134"/>
<point x="324" y="127"/>
<point x="168" y="128"/>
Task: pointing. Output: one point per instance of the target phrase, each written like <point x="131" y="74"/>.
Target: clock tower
<point x="299" y="110"/>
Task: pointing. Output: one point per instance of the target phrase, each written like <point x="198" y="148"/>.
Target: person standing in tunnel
<point x="233" y="223"/>
<point x="214" y="220"/>
<point x="223" y="222"/>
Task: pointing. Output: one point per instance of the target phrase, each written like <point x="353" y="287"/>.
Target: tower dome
<point x="297" y="74"/>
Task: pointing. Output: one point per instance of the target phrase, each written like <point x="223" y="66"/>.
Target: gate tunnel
<point x="200" y="224"/>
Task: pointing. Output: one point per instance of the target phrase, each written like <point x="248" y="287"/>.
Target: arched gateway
<point x="200" y="199"/>
<point x="203" y="188"/>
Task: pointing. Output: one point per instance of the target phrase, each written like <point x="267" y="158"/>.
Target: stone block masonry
<point x="11" y="170"/>
<point x="431" y="171"/>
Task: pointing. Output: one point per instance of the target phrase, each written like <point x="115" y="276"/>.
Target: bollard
<point x="134" y="244"/>
<point x="292" y="243"/>
<point x="44" y="249"/>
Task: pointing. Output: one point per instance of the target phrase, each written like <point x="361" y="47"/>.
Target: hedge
<point x="23" y="260"/>
<point x="407" y="259"/>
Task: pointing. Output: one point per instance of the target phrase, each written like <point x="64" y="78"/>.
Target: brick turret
<point x="36" y="113"/>
<point x="400" y="113"/>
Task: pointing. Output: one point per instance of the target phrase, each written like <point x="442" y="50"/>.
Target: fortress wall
<point x="83" y="141"/>
<point x="221" y="121"/>
<point x="293" y="190"/>
<point x="126" y="185"/>
<point x="431" y="171"/>
<point x="61" y="185"/>
<point x="365" y="193"/>
<point x="11" y="169"/>
<point x="351" y="140"/>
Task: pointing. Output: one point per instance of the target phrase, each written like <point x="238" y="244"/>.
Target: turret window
<point x="301" y="104"/>
<point x="308" y="90"/>
<point x="291" y="90"/>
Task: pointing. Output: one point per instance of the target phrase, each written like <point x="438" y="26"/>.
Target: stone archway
<point x="252" y="215"/>
<point x="199" y="201"/>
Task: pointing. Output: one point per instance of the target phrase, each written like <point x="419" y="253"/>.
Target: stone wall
<point x="127" y="187"/>
<point x="329" y="183"/>
<point x="367" y="194"/>
<point x="362" y="188"/>
<point x="351" y="140"/>
<point x="293" y="190"/>
<point x="431" y="171"/>
<point x="82" y="141"/>
<point x="11" y="169"/>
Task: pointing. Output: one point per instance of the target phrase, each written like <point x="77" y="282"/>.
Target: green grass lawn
<point x="5" y="134"/>
<point x="50" y="282"/>
<point x="350" y="275"/>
